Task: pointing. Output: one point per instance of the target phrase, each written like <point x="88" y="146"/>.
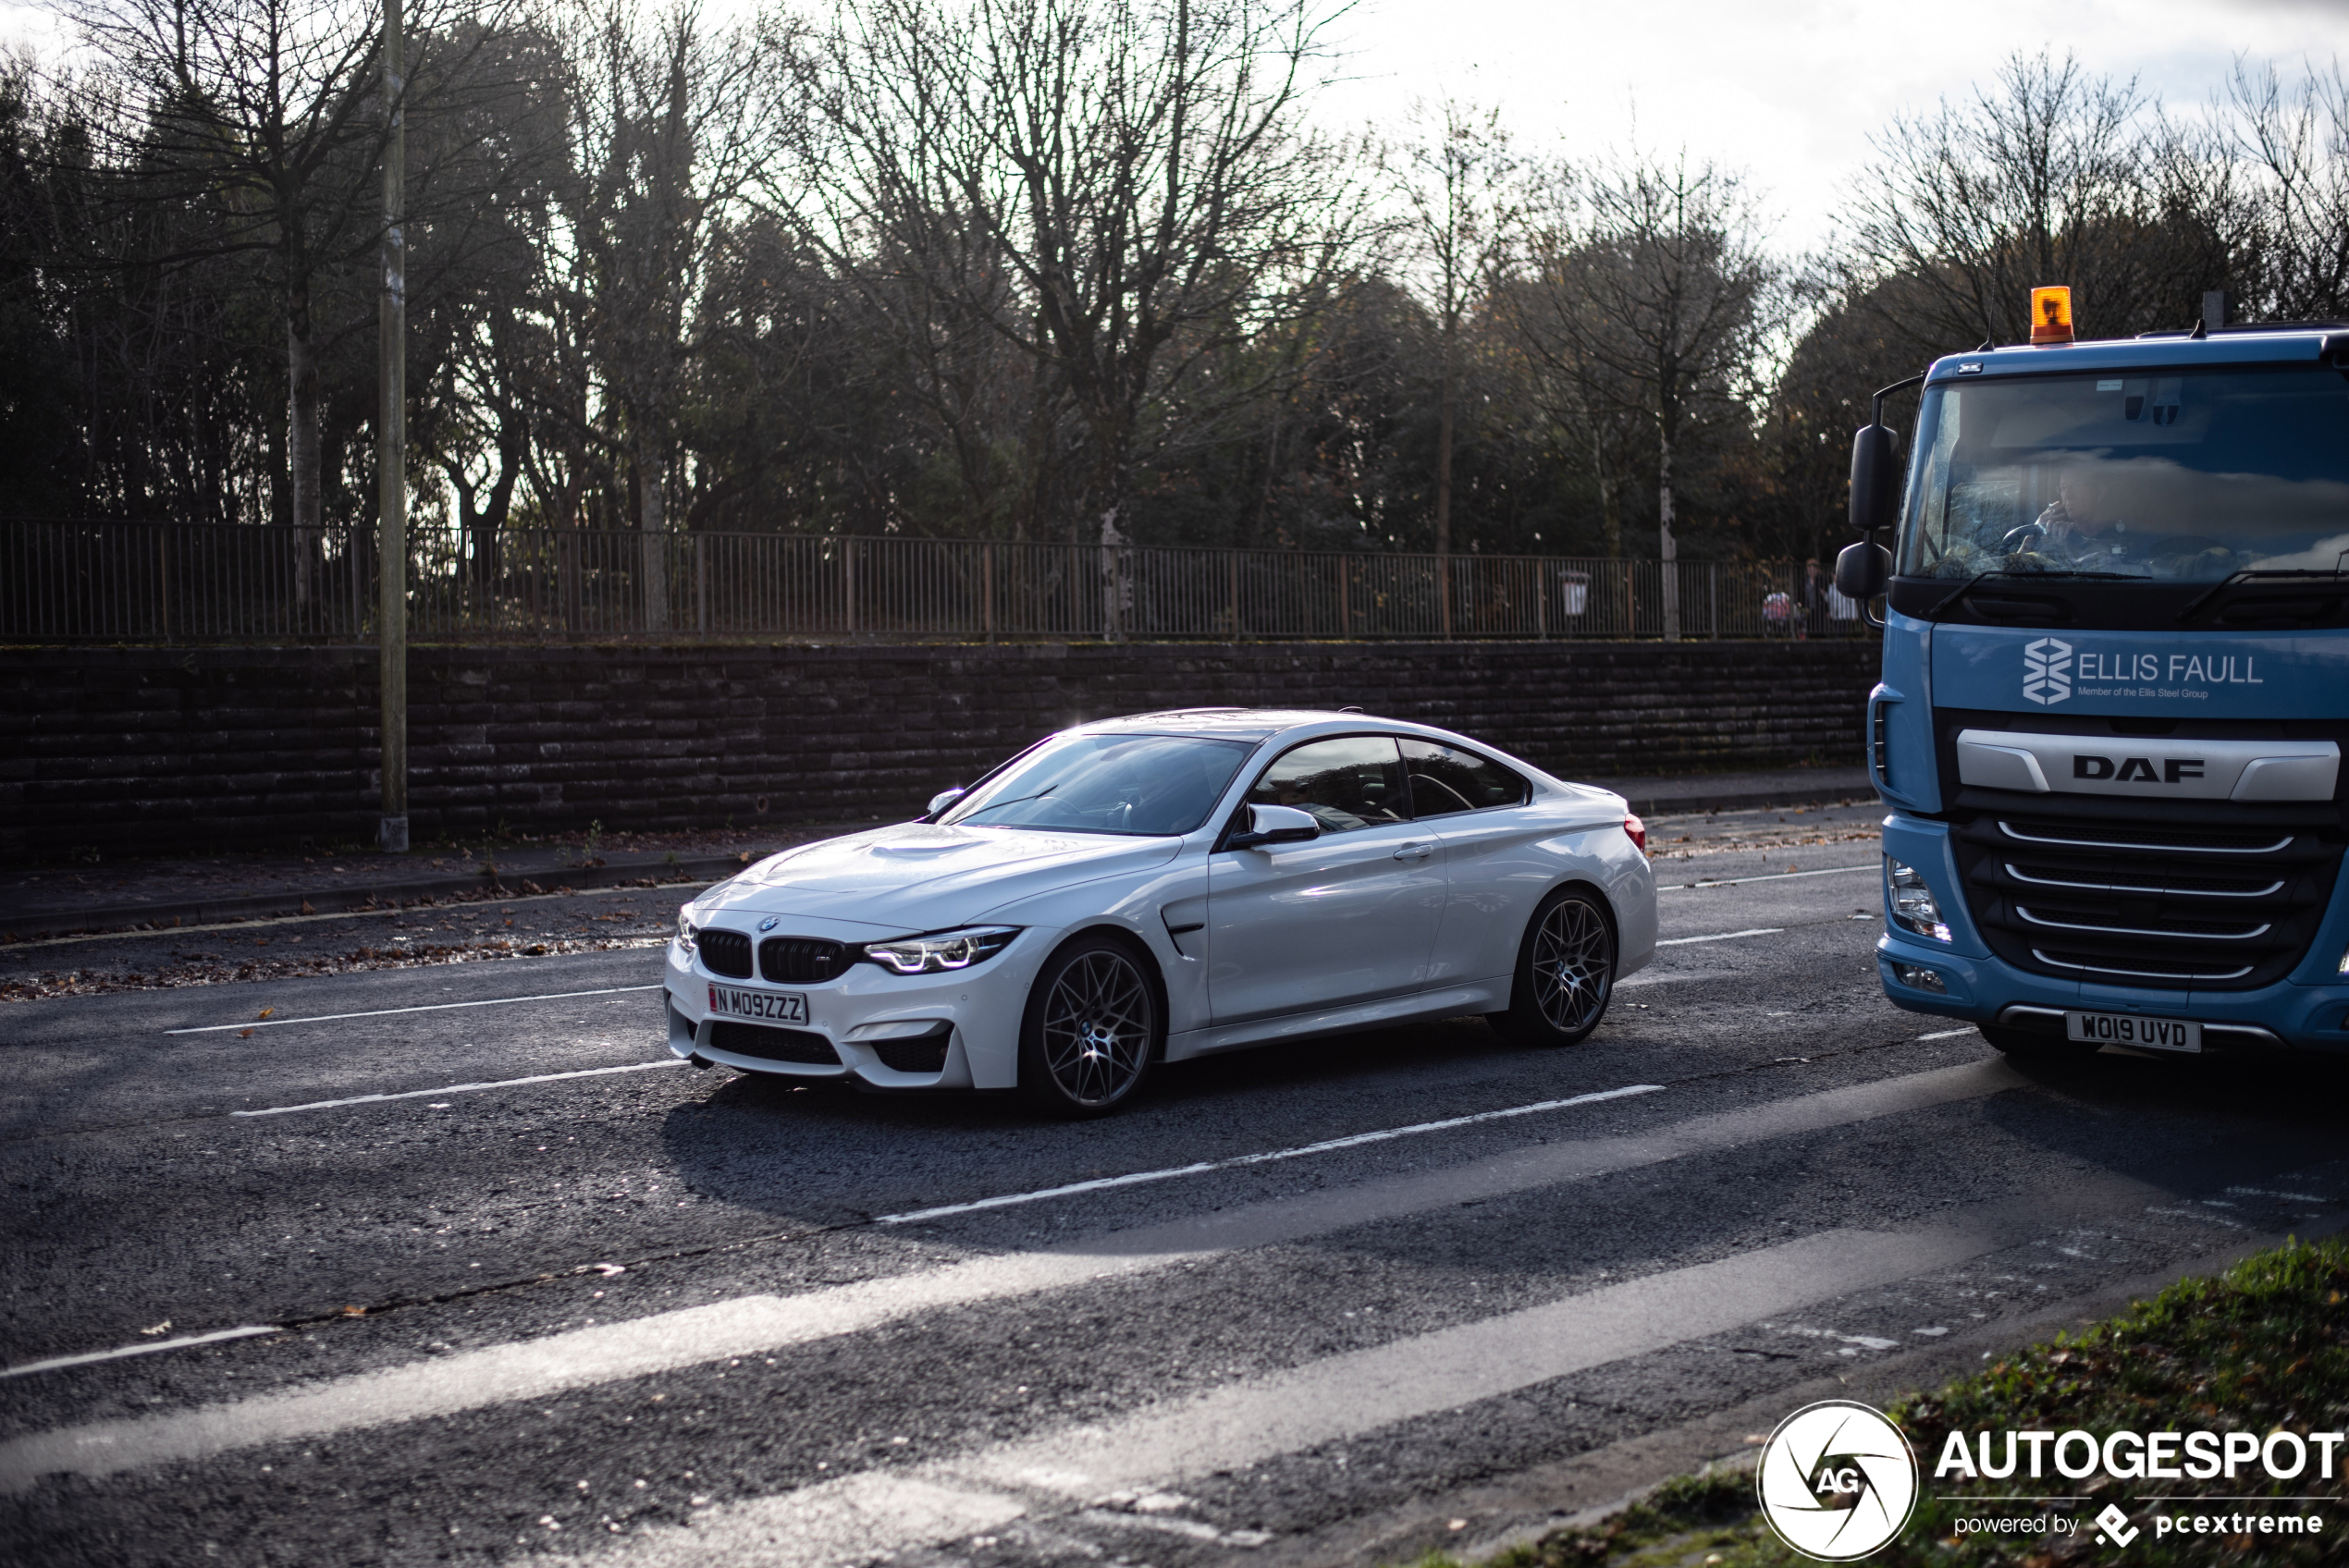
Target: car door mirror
<point x="1275" y="825"/>
<point x="943" y="799"/>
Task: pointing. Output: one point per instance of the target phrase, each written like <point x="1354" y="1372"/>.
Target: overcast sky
<point x="1787" y="90"/>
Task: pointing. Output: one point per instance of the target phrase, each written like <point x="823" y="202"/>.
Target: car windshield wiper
<point x="2242" y="578"/>
<point x="1971" y="583"/>
<point x="998" y="805"/>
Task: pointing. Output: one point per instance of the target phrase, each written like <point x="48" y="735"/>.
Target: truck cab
<point x="2115" y="691"/>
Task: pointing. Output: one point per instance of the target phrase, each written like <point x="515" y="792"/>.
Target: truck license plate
<point x="2128" y="1029"/>
<point x="766" y="1007"/>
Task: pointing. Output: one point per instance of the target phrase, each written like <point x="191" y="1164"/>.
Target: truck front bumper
<point x="2309" y="1018"/>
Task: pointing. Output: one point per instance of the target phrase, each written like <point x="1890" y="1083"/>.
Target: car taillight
<point x="1639" y="832"/>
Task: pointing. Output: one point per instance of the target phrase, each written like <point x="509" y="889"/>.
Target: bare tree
<point x="267" y="116"/>
<point x="2297" y="144"/>
<point x="666" y="140"/>
<point x="2053" y="177"/>
<point x="1652" y="281"/>
<point x="1114" y="187"/>
<point x="1456" y="179"/>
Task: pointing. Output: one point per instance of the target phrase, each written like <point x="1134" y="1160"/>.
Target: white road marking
<point x="1765" y="877"/>
<point x="760" y="1325"/>
<point x="128" y="933"/>
<point x="1327" y="1146"/>
<point x="461" y="1088"/>
<point x="1722" y="936"/>
<point x="1947" y="1034"/>
<point x="1326" y="1401"/>
<point x="388" y="1012"/>
<point x="57" y="1363"/>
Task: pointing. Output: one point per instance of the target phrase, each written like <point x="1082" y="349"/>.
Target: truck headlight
<point x="685" y="928"/>
<point x="948" y="950"/>
<point x="1912" y="901"/>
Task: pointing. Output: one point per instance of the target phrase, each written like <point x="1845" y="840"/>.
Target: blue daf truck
<point x="2116" y="687"/>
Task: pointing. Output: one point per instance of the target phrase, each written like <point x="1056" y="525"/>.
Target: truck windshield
<point x="2191" y="477"/>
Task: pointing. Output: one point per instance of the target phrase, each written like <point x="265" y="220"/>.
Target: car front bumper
<point x="858" y="1023"/>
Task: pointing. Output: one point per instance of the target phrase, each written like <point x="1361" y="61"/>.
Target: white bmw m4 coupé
<point x="1149" y="888"/>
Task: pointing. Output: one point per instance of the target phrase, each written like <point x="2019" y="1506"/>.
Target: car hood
<point x="916" y="877"/>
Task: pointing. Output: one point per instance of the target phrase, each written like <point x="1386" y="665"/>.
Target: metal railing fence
<point x="207" y="582"/>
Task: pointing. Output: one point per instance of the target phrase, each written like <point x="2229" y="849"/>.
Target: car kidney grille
<point x="725" y="952"/>
<point x="770" y="1044"/>
<point x="801" y="960"/>
<point x="2094" y="898"/>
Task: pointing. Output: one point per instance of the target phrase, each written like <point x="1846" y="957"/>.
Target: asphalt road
<point x="626" y="1313"/>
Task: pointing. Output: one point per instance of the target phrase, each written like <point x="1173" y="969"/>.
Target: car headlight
<point x="1913" y="905"/>
<point x="948" y="950"/>
<point x="686" y="931"/>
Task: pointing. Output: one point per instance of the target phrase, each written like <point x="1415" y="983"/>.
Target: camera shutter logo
<point x="1836" y="1480"/>
<point x="2047" y="670"/>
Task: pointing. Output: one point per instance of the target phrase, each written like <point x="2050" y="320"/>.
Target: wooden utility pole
<point x="391" y="447"/>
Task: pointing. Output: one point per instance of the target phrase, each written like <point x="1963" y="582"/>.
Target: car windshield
<point x="2191" y="477"/>
<point x="1152" y="785"/>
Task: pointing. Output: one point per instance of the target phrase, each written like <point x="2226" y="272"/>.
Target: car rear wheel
<point x="1091" y="1029"/>
<point x="1565" y="972"/>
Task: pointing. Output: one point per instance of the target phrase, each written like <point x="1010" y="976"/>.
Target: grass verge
<point x="2261" y="1348"/>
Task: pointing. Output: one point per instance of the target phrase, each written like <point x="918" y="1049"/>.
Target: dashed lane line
<point x="59" y="1363"/>
<point x="760" y="1325"/>
<point x="130" y="933"/>
<point x="1766" y="876"/>
<point x="1327" y="1146"/>
<point x="1339" y="1397"/>
<point x="389" y="1011"/>
<point x="462" y="1088"/>
<point x="1722" y="936"/>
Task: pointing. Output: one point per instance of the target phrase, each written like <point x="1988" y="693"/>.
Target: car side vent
<point x="800" y="960"/>
<point x="726" y="952"/>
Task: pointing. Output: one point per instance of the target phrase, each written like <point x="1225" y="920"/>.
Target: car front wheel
<point x="1565" y="972"/>
<point x="1091" y="1029"/>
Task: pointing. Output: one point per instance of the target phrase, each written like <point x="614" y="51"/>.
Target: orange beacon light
<point x="2050" y="315"/>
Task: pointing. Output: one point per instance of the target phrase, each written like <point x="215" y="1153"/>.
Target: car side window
<point x="1353" y="781"/>
<point x="1444" y="779"/>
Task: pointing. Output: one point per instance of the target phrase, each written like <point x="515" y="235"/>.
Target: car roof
<point x="1253" y="724"/>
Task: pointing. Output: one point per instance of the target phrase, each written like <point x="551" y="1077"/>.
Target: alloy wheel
<point x="1096" y="1028"/>
<point x="1571" y="965"/>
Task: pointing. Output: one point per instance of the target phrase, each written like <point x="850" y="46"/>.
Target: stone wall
<point x="150" y="749"/>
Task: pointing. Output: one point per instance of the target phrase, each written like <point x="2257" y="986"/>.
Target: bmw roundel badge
<point x="767" y="924"/>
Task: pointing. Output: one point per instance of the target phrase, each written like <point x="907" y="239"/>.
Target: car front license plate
<point x="766" y="1007"/>
<point x="2128" y="1029"/>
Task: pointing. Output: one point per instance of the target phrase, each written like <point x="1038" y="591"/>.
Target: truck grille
<point x="726" y="952"/>
<point x="2109" y="901"/>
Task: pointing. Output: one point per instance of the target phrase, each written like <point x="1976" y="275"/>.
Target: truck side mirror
<point x="1861" y="569"/>
<point x="1875" y="478"/>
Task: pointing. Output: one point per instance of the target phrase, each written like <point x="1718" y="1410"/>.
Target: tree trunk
<point x="653" y="521"/>
<point x="301" y="438"/>
<point x="1443" y="481"/>
<point x="1610" y="510"/>
<point x="1666" y="547"/>
<point x="1116" y="589"/>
